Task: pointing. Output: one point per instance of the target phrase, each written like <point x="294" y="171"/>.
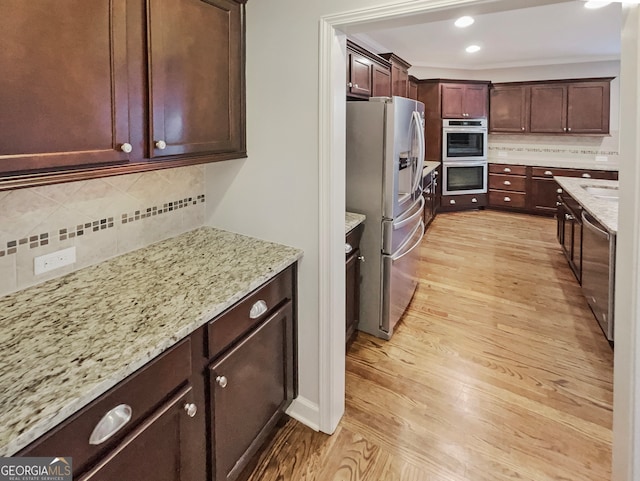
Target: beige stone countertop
<point x="603" y="210"/>
<point x="429" y="166"/>
<point x="66" y="341"/>
<point x="352" y="220"/>
<point x="557" y="163"/>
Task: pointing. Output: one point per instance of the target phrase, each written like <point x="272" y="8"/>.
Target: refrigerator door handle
<point x="416" y="244"/>
<point x="403" y="222"/>
<point x="415" y="118"/>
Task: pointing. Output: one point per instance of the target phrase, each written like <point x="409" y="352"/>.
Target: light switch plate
<point x="55" y="260"/>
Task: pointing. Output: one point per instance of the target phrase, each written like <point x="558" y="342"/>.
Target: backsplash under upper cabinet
<point x="102" y="218"/>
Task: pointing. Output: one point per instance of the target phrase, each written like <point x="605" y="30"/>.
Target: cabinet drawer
<point x="547" y="172"/>
<point x="452" y="202"/>
<point x="504" y="198"/>
<point x="507" y="182"/>
<point x="507" y="169"/>
<point x="143" y="391"/>
<point x="225" y="329"/>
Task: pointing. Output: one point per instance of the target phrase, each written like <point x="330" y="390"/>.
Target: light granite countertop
<point x="352" y="220"/>
<point x="604" y="211"/>
<point x="65" y="342"/>
<point x="429" y="166"/>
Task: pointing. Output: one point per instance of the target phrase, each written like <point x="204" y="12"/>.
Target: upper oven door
<point x="466" y="177"/>
<point x="464" y="143"/>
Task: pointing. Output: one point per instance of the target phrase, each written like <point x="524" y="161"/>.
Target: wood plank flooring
<point x="498" y="371"/>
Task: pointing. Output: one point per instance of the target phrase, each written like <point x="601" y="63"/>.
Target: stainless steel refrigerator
<point x="385" y="156"/>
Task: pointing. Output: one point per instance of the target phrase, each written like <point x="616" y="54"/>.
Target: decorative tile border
<point x="554" y="150"/>
<point x="96" y="225"/>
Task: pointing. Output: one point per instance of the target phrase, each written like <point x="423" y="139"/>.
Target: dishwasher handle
<point x="591" y="225"/>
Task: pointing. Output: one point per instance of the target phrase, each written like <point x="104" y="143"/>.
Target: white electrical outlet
<point x="55" y="260"/>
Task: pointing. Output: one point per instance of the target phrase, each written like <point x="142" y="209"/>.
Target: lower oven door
<point x="465" y="177"/>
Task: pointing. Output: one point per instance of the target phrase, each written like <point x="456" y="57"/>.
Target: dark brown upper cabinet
<point x="399" y="74"/>
<point x="413" y="88"/>
<point x="368" y="75"/>
<point x="118" y="87"/>
<point x="64" y="86"/>
<point x="508" y="106"/>
<point x="195" y="60"/>
<point x="557" y="107"/>
<point x="464" y="100"/>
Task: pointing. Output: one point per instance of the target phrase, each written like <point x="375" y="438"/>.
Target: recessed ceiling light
<point x="473" y="48"/>
<point x="465" y="21"/>
<point x="593" y="4"/>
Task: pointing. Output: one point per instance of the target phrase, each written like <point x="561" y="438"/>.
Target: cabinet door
<point x="157" y="450"/>
<point x="195" y="77"/>
<point x="63" y="87"/>
<point x="452" y="101"/>
<point x="588" y="108"/>
<point x="381" y="81"/>
<point x="352" y="299"/>
<point x="476" y="98"/>
<point x="360" y="81"/>
<point x="548" y="112"/>
<point x="249" y="389"/>
<point x="544" y="193"/>
<point x="508" y="109"/>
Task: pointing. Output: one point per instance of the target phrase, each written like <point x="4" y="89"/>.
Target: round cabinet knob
<point x="507" y="199"/>
<point x="356" y="85"/>
<point x="559" y="191"/>
<point x="548" y="172"/>
<point x="507" y="182"/>
<point x="191" y="409"/>
<point x="348" y="248"/>
<point x="452" y="202"/>
<point x="349" y="84"/>
<point x="435" y="173"/>
<point x="558" y="204"/>
<point x="222" y="381"/>
<point x="565" y="129"/>
<point x="568" y="217"/>
<point x="523" y="129"/>
<point x="474" y="201"/>
<point x="507" y="170"/>
<point x="161" y="144"/>
<point x="569" y="129"/>
<point x="586" y="176"/>
<point x="361" y="258"/>
<point x="126" y="148"/>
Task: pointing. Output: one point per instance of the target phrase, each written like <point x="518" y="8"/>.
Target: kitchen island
<point x="67" y="341"/>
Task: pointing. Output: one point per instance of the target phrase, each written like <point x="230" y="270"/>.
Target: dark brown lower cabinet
<point x="352" y="281"/>
<point x="569" y="218"/>
<point x="250" y="387"/>
<point x="157" y="450"/>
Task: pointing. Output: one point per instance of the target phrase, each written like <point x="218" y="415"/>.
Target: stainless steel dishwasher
<point x="598" y="271"/>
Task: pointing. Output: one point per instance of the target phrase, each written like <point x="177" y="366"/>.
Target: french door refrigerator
<point x="385" y="156"/>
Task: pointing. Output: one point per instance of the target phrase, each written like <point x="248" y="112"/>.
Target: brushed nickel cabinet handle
<point x="586" y="176"/>
<point x="474" y="201"/>
<point x="507" y="170"/>
<point x="161" y="145"/>
<point x="348" y="248"/>
<point x="259" y="308"/>
<point x="112" y="422"/>
<point x="452" y="202"/>
<point x="349" y="85"/>
<point x="361" y="258"/>
<point x="548" y="172"/>
<point x="126" y="148"/>
<point x="507" y="182"/>
<point x="507" y="199"/>
<point x="222" y="381"/>
<point x="559" y="191"/>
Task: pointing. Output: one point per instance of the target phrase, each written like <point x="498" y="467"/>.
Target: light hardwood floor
<point x="498" y="371"/>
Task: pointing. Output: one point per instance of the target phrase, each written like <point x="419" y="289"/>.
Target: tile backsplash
<point x="549" y="150"/>
<point x="102" y="218"/>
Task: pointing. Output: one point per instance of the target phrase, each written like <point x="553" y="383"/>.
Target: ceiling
<point x="555" y="33"/>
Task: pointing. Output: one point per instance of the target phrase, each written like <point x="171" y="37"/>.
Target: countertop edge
<point x="566" y="183"/>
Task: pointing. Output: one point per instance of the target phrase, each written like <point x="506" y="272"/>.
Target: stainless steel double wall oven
<point x="464" y="156"/>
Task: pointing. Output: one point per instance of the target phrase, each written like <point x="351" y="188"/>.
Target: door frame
<point x="331" y="150"/>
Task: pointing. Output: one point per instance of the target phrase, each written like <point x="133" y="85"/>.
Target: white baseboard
<point x="305" y="411"/>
